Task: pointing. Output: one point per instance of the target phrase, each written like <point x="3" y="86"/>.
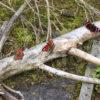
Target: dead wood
<point x="4" y="30"/>
<point x="34" y="57"/>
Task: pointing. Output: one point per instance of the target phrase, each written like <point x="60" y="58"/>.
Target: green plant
<point x="97" y="75"/>
<point x="24" y="36"/>
<point x="97" y="72"/>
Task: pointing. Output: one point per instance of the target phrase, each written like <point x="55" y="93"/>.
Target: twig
<point x="84" y="55"/>
<point x="38" y="14"/>
<point x="88" y="7"/>
<point x="49" y="22"/>
<point x="10" y="94"/>
<point x="23" y="18"/>
<point x="58" y="20"/>
<point x="9" y="24"/>
<point x="6" y="6"/>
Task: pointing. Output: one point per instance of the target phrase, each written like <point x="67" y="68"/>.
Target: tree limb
<point x="84" y="55"/>
<point x="10" y="94"/>
<point x="8" y="25"/>
<point x="32" y="56"/>
<point x="68" y="75"/>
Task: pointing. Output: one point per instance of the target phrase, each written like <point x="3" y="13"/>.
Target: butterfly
<point x="49" y="46"/>
<point x="19" y="54"/>
<point x="91" y="27"/>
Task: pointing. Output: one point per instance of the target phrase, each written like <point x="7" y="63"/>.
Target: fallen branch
<point x="5" y="30"/>
<point x="85" y="56"/>
<point x="68" y="75"/>
<point x="34" y="56"/>
<point x="10" y="94"/>
<point x="49" y="21"/>
<point x="2" y="4"/>
<point x="25" y="20"/>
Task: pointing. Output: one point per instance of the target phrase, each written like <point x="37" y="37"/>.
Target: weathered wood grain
<point x="87" y="89"/>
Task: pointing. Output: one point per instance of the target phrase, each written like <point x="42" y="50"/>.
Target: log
<point x="34" y="56"/>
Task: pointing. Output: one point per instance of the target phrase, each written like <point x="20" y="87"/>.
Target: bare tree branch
<point x="10" y="94"/>
<point x="5" y="30"/>
<point x="87" y="7"/>
<point x="49" y="21"/>
<point x="84" y="55"/>
<point x="34" y="56"/>
<point x="25" y="20"/>
<point x="68" y="75"/>
<point x="2" y="4"/>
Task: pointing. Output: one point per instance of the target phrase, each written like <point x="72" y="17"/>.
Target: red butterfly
<point x="19" y="54"/>
<point x="49" y="46"/>
<point x="91" y="27"/>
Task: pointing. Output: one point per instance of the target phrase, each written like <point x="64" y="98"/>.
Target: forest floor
<point x="38" y="84"/>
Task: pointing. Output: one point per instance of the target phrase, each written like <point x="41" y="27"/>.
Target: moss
<point x="15" y="3"/>
<point x="22" y="34"/>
